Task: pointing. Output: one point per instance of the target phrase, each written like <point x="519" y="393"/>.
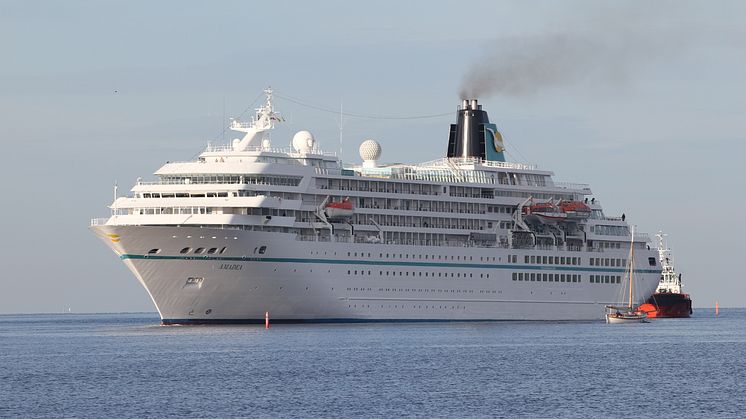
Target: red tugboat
<point x="668" y="300"/>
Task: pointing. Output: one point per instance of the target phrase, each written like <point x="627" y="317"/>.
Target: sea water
<point x="124" y="365"/>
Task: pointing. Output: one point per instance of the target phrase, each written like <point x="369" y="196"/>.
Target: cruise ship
<point x="248" y="229"/>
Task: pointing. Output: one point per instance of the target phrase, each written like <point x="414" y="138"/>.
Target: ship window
<point x="212" y="250"/>
<point x="262" y="250"/>
<point x="154" y="251"/>
<point x="651" y="261"/>
<point x="199" y="250"/>
<point x="185" y="250"/>
<point x="222" y="250"/>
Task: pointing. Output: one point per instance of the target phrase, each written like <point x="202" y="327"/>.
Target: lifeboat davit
<point x="339" y="211"/>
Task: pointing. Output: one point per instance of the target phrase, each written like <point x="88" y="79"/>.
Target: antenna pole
<point x="341" y="115"/>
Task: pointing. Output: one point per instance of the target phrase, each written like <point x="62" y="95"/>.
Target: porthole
<point x="199" y="250"/>
<point x="154" y="251"/>
<point x="185" y="250"/>
<point x="212" y="250"/>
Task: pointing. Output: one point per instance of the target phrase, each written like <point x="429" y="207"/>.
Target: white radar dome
<point x="370" y="150"/>
<point x="303" y="142"/>
<point x="236" y="142"/>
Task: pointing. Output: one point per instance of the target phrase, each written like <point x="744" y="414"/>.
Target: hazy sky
<point x="646" y="101"/>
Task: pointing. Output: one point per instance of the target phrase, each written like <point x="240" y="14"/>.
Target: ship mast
<point x="631" y="264"/>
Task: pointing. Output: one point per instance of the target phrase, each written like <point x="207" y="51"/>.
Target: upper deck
<point x="461" y="199"/>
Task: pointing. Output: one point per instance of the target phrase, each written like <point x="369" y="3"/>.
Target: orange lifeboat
<point x="339" y="211"/>
<point x="564" y="210"/>
<point x="575" y="209"/>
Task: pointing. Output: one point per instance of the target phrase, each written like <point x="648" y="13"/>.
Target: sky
<point x="645" y="101"/>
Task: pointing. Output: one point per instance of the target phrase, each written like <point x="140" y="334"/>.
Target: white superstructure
<point x="248" y="228"/>
<point x="670" y="281"/>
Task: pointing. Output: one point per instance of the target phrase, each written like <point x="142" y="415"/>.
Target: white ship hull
<point x="300" y="281"/>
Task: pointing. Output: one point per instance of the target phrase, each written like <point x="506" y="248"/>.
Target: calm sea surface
<point x="128" y="365"/>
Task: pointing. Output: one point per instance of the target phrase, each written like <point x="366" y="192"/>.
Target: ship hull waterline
<point x="297" y="281"/>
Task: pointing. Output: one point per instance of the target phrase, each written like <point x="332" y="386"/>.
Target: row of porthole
<point x="541" y="277"/>
<point x="414" y="290"/>
<point x="554" y="260"/>
<point x="393" y="255"/>
<point x="606" y="279"/>
<point x="427" y="274"/>
<point x="608" y="262"/>
<point x="407" y="256"/>
<point x="414" y="307"/>
<point x="200" y="250"/>
<point x="211" y="251"/>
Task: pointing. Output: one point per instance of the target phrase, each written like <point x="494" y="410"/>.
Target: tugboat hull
<point x="668" y="305"/>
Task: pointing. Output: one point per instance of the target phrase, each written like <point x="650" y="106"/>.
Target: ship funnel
<point x="473" y="136"/>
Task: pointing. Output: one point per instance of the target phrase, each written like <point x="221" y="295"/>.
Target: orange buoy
<point x="266" y="319"/>
<point x="717" y="308"/>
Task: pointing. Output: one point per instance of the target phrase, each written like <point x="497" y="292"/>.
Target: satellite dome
<point x="235" y="143"/>
<point x="370" y="150"/>
<point x="303" y="142"/>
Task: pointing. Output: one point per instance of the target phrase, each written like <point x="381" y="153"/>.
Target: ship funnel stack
<point x="473" y="135"/>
